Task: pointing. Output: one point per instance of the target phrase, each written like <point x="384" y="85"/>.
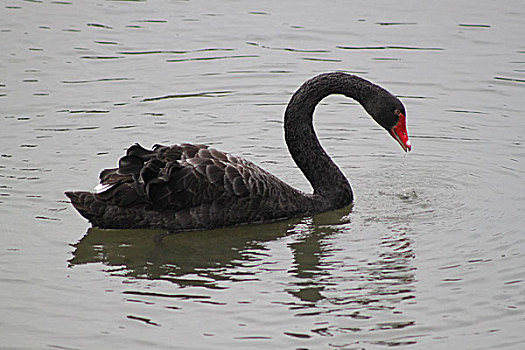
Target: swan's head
<point x="388" y="111"/>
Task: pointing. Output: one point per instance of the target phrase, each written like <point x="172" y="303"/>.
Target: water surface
<point x="431" y="254"/>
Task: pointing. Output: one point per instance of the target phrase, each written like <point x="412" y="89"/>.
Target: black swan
<point x="190" y="187"/>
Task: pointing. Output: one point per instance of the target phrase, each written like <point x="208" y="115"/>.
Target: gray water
<point x="430" y="256"/>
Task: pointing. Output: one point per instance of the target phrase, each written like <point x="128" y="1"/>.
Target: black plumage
<point x="188" y="186"/>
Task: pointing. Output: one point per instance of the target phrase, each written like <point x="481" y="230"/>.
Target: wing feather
<point x="182" y="176"/>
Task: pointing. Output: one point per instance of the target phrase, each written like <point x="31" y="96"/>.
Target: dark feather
<point x="190" y="186"/>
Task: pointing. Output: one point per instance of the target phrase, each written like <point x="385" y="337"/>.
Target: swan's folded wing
<point x="183" y="176"/>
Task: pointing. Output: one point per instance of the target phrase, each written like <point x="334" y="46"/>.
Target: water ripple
<point x="390" y="47"/>
<point x="94" y="80"/>
<point x="188" y="95"/>
<point x="211" y="58"/>
<point x="176" y="52"/>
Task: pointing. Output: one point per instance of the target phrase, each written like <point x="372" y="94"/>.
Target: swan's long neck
<point x="331" y="188"/>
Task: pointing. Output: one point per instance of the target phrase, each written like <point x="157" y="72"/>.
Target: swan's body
<point x="187" y="187"/>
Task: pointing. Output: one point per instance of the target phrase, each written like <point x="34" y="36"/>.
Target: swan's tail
<point x="106" y="214"/>
<point x="86" y="204"/>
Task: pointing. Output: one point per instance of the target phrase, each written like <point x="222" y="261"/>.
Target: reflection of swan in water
<point x="187" y="259"/>
<point x="179" y="258"/>
<point x="363" y="279"/>
<point x="360" y="288"/>
<point x="205" y="254"/>
<point x="187" y="187"/>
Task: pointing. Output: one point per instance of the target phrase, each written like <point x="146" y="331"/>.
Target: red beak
<point x="400" y="134"/>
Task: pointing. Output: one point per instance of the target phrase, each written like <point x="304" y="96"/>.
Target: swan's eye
<point x="397" y="112"/>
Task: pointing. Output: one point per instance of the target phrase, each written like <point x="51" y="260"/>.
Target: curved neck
<point x="330" y="185"/>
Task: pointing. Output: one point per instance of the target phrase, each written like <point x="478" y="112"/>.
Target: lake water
<point x="430" y="256"/>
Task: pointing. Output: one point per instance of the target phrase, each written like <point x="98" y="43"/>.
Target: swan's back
<point x="186" y="186"/>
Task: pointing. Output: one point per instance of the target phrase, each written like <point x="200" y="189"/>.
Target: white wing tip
<point x="102" y="188"/>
